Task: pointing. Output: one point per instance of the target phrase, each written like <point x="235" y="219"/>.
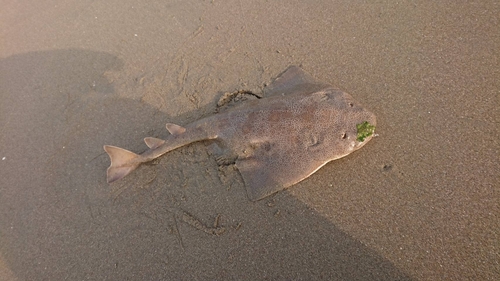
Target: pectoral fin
<point x="293" y="80"/>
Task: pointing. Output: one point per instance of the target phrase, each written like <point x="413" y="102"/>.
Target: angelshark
<point x="276" y="141"/>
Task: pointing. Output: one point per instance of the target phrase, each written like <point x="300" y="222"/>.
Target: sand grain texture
<point x="419" y="202"/>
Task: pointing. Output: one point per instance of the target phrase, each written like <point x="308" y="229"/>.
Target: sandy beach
<point x="419" y="202"/>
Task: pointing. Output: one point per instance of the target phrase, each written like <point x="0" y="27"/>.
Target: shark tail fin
<point x="121" y="162"/>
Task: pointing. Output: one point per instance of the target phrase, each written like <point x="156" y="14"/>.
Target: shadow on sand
<point x="60" y="220"/>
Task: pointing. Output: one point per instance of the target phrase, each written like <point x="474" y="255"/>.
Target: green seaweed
<point x="365" y="130"/>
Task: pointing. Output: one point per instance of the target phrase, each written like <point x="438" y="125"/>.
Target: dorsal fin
<point x="175" y="129"/>
<point x="153" y="142"/>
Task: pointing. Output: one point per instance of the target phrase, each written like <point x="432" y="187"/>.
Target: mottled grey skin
<point x="276" y="141"/>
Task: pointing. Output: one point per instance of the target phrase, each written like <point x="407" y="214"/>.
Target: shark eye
<point x="344" y="136"/>
<point x="350" y="104"/>
<point x="322" y="96"/>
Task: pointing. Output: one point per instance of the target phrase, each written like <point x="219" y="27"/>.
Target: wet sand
<point x="419" y="202"/>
